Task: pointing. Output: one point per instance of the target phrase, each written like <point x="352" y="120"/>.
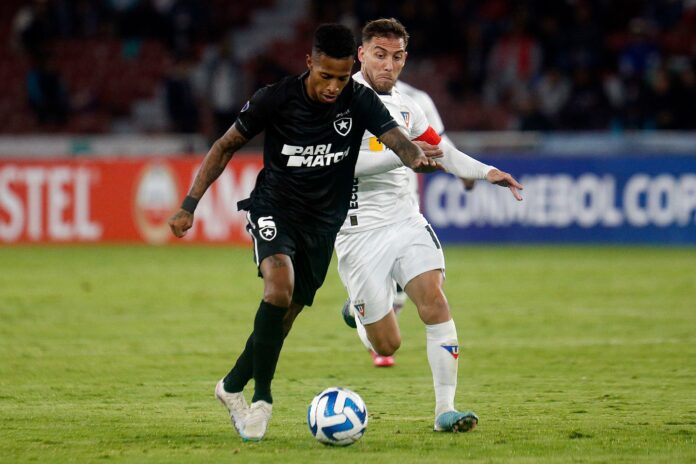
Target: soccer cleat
<point x="256" y="421"/>
<point x="348" y="316"/>
<point x="235" y="403"/>
<point x="381" y="361"/>
<point x="455" y="421"/>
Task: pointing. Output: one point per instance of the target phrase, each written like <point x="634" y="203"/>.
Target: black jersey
<point x="310" y="149"/>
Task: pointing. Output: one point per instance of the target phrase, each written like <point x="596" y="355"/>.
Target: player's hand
<point x="431" y="151"/>
<point x="180" y="222"/>
<point x="425" y="164"/>
<point x="469" y="184"/>
<point x="504" y="179"/>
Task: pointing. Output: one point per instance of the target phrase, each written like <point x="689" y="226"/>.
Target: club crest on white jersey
<point x="312" y="155"/>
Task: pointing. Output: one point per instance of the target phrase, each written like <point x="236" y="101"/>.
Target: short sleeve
<point x="419" y="122"/>
<point x="371" y="110"/>
<point x="254" y="115"/>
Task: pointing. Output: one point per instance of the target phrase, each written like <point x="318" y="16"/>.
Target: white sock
<point x="443" y="351"/>
<point x="362" y="333"/>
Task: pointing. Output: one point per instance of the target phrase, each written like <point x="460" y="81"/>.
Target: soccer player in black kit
<point x="314" y="124"/>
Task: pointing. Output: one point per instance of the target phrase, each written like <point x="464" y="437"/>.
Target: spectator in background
<point x="664" y="101"/>
<point x="635" y="111"/>
<point x="640" y="57"/>
<point x="182" y="108"/>
<point x="583" y="39"/>
<point x="267" y="70"/>
<point x="551" y="92"/>
<point x="47" y="93"/>
<point x="686" y="88"/>
<point x="514" y="61"/>
<point x="222" y="85"/>
<point x="185" y="22"/>
<point x="587" y="107"/>
<point x="32" y="28"/>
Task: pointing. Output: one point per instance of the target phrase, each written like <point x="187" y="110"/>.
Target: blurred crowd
<point x="553" y="64"/>
<point x="488" y="64"/>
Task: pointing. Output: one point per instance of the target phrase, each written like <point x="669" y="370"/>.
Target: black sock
<point x="267" y="343"/>
<point x="243" y="370"/>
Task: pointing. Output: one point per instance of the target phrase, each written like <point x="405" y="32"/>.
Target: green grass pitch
<point x="578" y="354"/>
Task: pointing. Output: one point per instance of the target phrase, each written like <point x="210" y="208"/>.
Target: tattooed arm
<point x="213" y="164"/>
<point x="410" y="154"/>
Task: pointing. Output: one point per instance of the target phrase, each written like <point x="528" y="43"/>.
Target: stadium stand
<point x="75" y="66"/>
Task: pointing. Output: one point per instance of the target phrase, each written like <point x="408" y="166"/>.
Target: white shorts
<point x="369" y="263"/>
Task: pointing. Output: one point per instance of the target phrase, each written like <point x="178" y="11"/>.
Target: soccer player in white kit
<point x="386" y="239"/>
<point x="423" y="100"/>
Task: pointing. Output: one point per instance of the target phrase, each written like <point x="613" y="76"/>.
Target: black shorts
<point x="310" y="252"/>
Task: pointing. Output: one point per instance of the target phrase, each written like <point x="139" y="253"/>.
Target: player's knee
<point x="278" y="295"/>
<point x="387" y="346"/>
<point x="435" y="309"/>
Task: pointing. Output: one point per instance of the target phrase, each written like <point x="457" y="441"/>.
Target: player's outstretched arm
<point x="410" y="154"/>
<point x="213" y="164"/>
<point x="466" y="167"/>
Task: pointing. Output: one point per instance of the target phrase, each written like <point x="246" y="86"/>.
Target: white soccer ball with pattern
<point x="337" y="416"/>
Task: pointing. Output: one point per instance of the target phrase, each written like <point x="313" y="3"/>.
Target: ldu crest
<point x="343" y="125"/>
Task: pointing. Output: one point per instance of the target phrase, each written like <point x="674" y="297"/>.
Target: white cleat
<point x="256" y="421"/>
<point x="235" y="403"/>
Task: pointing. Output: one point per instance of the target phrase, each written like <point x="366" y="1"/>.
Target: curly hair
<point x="334" y="40"/>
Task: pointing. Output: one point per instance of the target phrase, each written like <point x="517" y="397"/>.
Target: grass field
<point x="111" y="354"/>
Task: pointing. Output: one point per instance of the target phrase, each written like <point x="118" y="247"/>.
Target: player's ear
<point x="361" y="53"/>
<point x="309" y="62"/>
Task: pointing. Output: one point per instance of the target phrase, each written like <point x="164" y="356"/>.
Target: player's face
<point x="327" y="77"/>
<point x="382" y="60"/>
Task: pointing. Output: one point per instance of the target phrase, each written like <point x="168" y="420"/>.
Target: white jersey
<point x="385" y="198"/>
<point x="426" y="103"/>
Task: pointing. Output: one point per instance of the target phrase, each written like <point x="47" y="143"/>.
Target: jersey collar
<point x="358" y="77"/>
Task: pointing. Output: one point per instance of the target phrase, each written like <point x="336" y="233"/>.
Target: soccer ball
<point x="337" y="416"/>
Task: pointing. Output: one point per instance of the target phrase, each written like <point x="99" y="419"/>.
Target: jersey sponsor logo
<point x="360" y="308"/>
<point x="267" y="228"/>
<point x="354" y="194"/>
<point x="312" y="156"/>
<point x="452" y="349"/>
<point x="407" y="117"/>
<point x="343" y="125"/>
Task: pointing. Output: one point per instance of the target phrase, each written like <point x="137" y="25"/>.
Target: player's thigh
<point x="270" y="236"/>
<point x="365" y="262"/>
<point x="312" y="261"/>
<point x="425" y="290"/>
<point x="420" y="251"/>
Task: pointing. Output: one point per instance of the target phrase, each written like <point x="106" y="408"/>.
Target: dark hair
<point x="385" y="27"/>
<point x="334" y="40"/>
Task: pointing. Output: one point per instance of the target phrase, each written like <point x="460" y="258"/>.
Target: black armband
<point x="189" y="204"/>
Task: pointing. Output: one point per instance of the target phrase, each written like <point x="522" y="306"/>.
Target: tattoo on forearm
<point x="215" y="161"/>
<point x="398" y="142"/>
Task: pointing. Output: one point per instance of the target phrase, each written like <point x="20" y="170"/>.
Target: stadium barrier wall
<point x="637" y="199"/>
<point x="627" y="199"/>
<point x="119" y="200"/>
